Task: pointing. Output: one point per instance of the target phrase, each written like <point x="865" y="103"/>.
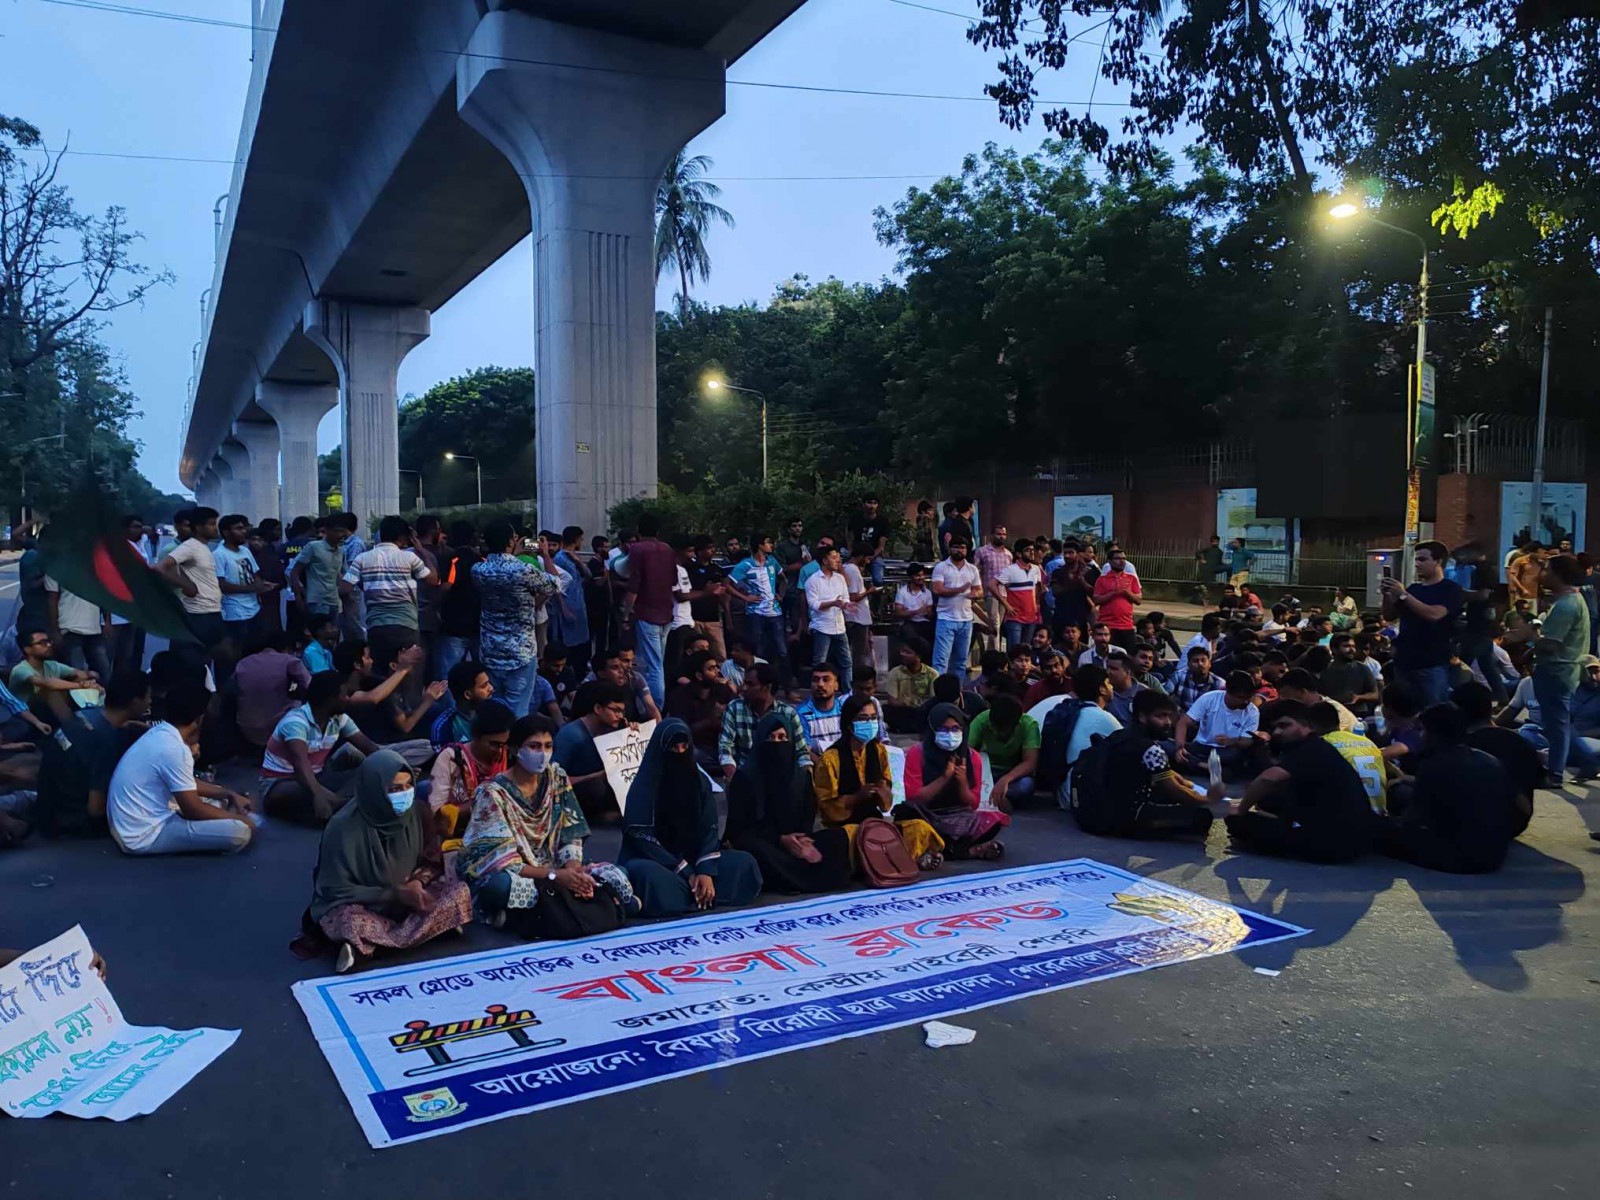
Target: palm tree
<point x="685" y="209"/>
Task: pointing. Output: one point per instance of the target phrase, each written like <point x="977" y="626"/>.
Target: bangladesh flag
<point x="84" y="550"/>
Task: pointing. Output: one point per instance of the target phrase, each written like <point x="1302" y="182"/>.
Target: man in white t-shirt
<point x="77" y="625"/>
<point x="956" y="584"/>
<point x="241" y="590"/>
<point x="1226" y="722"/>
<point x="156" y="806"/>
<point x="913" y="606"/>
<point x="858" y="617"/>
<point x="827" y="597"/>
<point x="190" y="567"/>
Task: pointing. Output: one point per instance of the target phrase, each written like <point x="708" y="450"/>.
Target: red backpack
<point x="885" y="861"/>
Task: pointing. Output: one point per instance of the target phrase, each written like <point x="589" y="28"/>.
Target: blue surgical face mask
<point x="864" y="731"/>
<point x="948" y="739"/>
<point x="533" y="761"/>
<point x="402" y="801"/>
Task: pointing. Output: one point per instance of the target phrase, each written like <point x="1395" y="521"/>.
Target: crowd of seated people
<point x="434" y="708"/>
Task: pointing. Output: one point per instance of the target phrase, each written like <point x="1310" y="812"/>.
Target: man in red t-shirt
<point x="1115" y="593"/>
<point x="652" y="576"/>
<point x="1017" y="587"/>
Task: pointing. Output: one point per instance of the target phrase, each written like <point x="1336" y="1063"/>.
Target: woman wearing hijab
<point x="944" y="778"/>
<point x="526" y="827"/>
<point x="771" y="815"/>
<point x="670" y="841"/>
<point x="380" y="878"/>
<point x="851" y="782"/>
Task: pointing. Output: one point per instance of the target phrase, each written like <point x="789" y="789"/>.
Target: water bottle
<point x="1359" y="728"/>
<point x="1378" y="725"/>
<point x="1214" y="768"/>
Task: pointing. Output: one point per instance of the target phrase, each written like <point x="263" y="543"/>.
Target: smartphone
<point x="1388" y="571"/>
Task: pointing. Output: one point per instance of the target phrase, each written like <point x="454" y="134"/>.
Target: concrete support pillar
<point x="208" y="489"/>
<point x="227" y="497"/>
<point x="590" y="140"/>
<point x="258" y="497"/>
<point x="298" y="409"/>
<point x="367" y="343"/>
<point x="235" y="484"/>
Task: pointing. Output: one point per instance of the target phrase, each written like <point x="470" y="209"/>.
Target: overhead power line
<point x="230" y="162"/>
<point x="771" y="85"/>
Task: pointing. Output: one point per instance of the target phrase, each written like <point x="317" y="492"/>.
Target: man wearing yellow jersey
<point x="1363" y="755"/>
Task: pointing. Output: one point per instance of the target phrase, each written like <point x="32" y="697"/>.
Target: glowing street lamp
<point x="1344" y="211"/>
<point x="452" y="456"/>
<point x="715" y="385"/>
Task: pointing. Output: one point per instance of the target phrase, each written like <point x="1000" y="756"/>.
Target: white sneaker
<point x="346" y="959"/>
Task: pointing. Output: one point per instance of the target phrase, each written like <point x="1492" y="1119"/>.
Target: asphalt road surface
<point x="1434" y="1036"/>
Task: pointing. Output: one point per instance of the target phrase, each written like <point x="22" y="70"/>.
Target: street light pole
<point x="418" y="474"/>
<point x="477" y="467"/>
<point x="1413" y="518"/>
<point x="1538" y="445"/>
<point x="719" y="385"/>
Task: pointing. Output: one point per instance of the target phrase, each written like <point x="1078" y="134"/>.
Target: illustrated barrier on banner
<point x="428" y="1048"/>
<point x="65" y="1047"/>
<point x="622" y="750"/>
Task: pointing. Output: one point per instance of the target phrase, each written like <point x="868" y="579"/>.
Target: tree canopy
<point x="487" y="414"/>
<point x="1046" y="307"/>
<point x="64" y="399"/>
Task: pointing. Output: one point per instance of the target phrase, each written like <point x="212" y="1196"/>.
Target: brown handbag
<point x="885" y="861"/>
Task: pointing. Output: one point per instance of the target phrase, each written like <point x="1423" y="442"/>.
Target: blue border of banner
<point x="636" y="1060"/>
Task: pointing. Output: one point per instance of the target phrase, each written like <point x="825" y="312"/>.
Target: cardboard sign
<point x="65" y="1047"/>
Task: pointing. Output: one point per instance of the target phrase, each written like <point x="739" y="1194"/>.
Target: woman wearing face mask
<point x="851" y="782"/>
<point x="527" y="828"/>
<point x="380" y="879"/>
<point x="671" y="845"/>
<point x="943" y="781"/>
<point x="771" y="814"/>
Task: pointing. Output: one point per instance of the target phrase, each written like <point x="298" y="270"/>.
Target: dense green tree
<point x="487" y="414"/>
<point x="819" y="352"/>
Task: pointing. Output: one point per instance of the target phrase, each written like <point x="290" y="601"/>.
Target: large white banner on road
<point x="65" y="1047"/>
<point x="428" y="1048"/>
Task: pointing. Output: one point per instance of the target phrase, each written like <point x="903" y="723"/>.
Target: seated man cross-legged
<point x="45" y="685"/>
<point x="1465" y="810"/>
<point x="1135" y="792"/>
<point x="156" y="806"/>
<point x="309" y="770"/>
<point x="1010" y="737"/>
<point x="1226" y="722"/>
<point x="1310" y="803"/>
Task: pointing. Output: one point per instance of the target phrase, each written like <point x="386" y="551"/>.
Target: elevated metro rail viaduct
<point x="389" y="153"/>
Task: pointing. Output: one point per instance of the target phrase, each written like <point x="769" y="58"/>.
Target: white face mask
<point x="948" y="739"/>
<point x="402" y="801"/>
<point x="533" y="761"/>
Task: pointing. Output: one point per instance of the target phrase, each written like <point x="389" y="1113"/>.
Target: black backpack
<point x="561" y="916"/>
<point x="1093" y="806"/>
<point x="1054" y="739"/>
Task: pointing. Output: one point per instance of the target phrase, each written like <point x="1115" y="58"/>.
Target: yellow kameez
<point x="833" y="810"/>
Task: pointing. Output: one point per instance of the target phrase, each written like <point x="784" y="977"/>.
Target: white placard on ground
<point x="65" y="1047"/>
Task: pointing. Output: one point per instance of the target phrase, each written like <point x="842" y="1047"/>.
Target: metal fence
<point x="1319" y="564"/>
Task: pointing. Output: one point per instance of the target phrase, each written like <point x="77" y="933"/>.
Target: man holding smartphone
<point x="1427" y="611"/>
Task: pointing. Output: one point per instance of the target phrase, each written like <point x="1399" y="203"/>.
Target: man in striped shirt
<point x="388" y="575"/>
<point x="990" y="561"/>
<point x="1195" y="680"/>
